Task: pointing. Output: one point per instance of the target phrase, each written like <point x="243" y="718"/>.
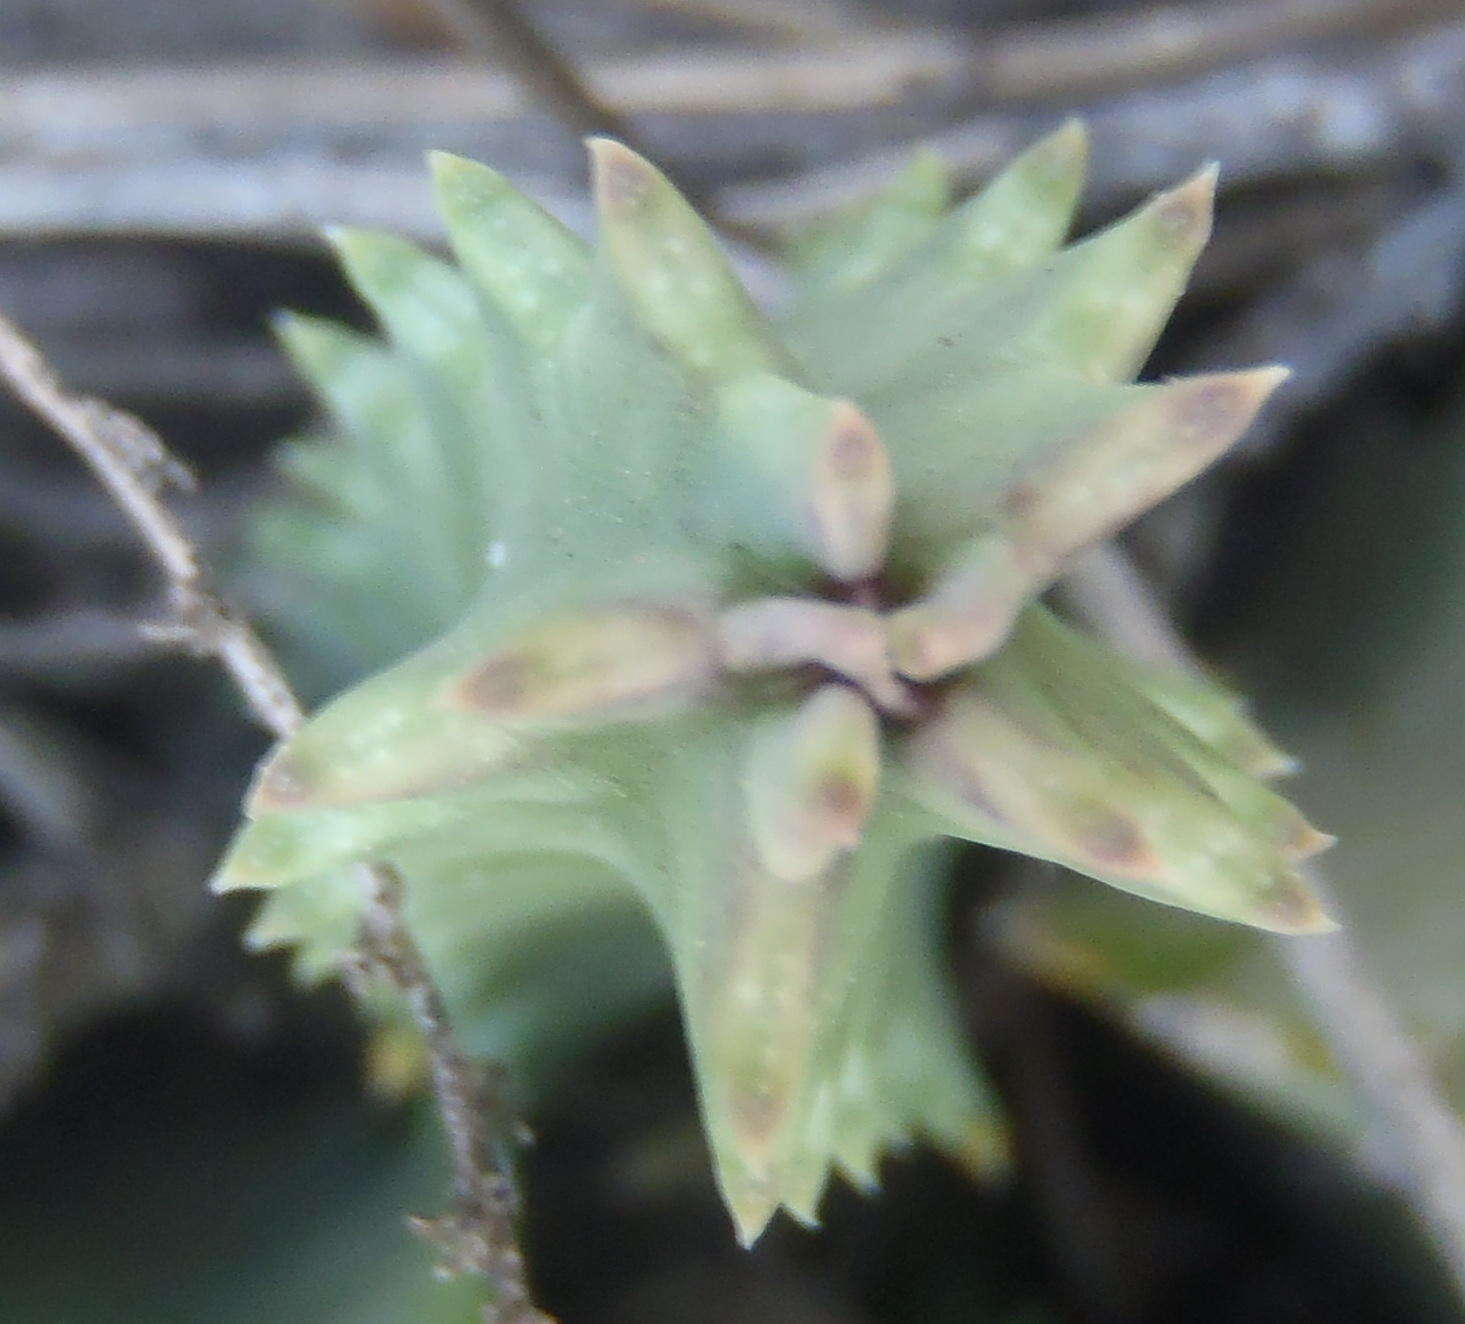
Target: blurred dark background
<point x="186" y="1137"/>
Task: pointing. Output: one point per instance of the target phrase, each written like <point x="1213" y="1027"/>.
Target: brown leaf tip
<point x="1308" y="841"/>
<point x="854" y="451"/>
<point x="279" y="785"/>
<point x="623" y="180"/>
<point x="1184" y="213"/>
<point x="1293" y="907"/>
<point x="1111" y="841"/>
<point x="1217" y="408"/>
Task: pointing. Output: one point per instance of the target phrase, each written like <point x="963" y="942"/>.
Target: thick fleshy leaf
<point x="629" y="430"/>
<point x="805" y="471"/>
<point x="1023" y="214"/>
<point x="533" y="811"/>
<point x="765" y="635"/>
<point x="802" y="1061"/>
<point x="810" y="782"/>
<point x="1217" y="717"/>
<point x="1018" y="218"/>
<point x="1364" y="678"/>
<point x="423" y="303"/>
<point x="1112" y="294"/>
<point x="470" y="377"/>
<point x="1095" y="309"/>
<point x="387" y="438"/>
<point x="1043" y="750"/>
<point x="1067" y="500"/>
<point x="852" y="248"/>
<point x="672" y="269"/>
<point x="525" y="263"/>
<point x="482" y="701"/>
<point x="938" y="289"/>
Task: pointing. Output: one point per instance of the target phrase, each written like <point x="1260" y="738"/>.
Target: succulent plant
<point x="731" y="620"/>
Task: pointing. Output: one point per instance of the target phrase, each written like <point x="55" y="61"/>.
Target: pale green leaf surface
<point x="1096" y="308"/>
<point x="846" y="250"/>
<point x="895" y="258"/>
<point x="524" y="262"/>
<point x="673" y="270"/>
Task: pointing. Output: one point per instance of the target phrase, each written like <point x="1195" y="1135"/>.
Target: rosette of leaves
<point x="733" y="622"/>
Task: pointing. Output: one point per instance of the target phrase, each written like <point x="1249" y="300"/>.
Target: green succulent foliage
<point x="1362" y="679"/>
<point x="723" y="625"/>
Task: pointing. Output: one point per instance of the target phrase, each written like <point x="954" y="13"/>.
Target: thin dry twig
<point x="1117" y="50"/>
<point x="1425" y="1136"/>
<point x="497" y="28"/>
<point x="136" y="468"/>
<point x="801" y="22"/>
<point x="71" y="639"/>
<point x="84" y="160"/>
<point x="477" y="1234"/>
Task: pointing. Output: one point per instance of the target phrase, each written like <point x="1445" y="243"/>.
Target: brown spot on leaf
<point x="758" y="1114"/>
<point x="590" y="663"/>
<point x="500" y="685"/>
<point x="843" y="803"/>
<point x="854" y="449"/>
<point x="1109" y="840"/>
<point x="1293" y="907"/>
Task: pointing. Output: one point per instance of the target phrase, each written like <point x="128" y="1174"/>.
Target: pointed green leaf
<point x="1022" y="215"/>
<point x="478" y="704"/>
<point x="1111" y="295"/>
<point x="806" y="1001"/>
<point x="422" y="302"/>
<point x="523" y="260"/>
<point x="672" y="269"/>
<point x="810" y="781"/>
<point x="373" y="400"/>
<point x="1034" y="754"/>
<point x="860" y="243"/>
<point x="1015" y="221"/>
<point x="1067" y="499"/>
<point x="1096" y="309"/>
<point x="1215" y="716"/>
<point x="470" y="378"/>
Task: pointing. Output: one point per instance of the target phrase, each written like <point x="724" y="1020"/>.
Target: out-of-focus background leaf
<point x="186" y="1137"/>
